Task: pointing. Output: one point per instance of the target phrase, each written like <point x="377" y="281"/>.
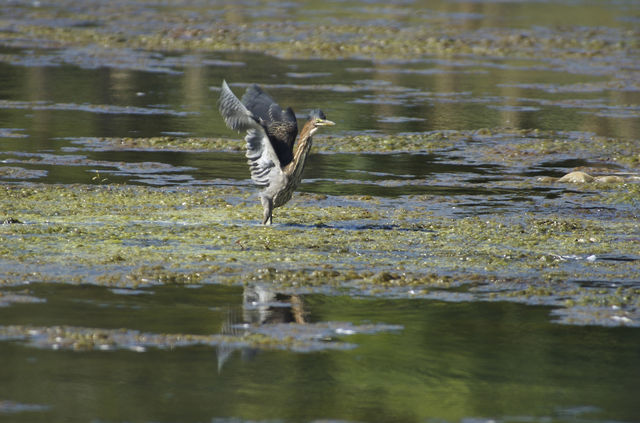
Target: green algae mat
<point x="132" y="236"/>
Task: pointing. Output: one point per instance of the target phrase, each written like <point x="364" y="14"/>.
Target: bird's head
<point x="318" y="119"/>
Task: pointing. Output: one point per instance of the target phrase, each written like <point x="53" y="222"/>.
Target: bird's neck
<point x="302" y="151"/>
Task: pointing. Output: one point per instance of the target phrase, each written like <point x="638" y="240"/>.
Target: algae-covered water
<point x="464" y="246"/>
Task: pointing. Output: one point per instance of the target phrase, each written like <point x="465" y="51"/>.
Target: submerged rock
<point x="610" y="179"/>
<point x="577" y="177"/>
<point x="546" y="179"/>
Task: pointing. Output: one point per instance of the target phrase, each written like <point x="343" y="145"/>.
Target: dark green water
<point x="450" y="361"/>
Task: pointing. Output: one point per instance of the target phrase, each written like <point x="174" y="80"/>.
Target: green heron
<point x="271" y="133"/>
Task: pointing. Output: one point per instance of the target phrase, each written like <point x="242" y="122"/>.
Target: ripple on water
<point x="91" y="108"/>
<point x="12" y="407"/>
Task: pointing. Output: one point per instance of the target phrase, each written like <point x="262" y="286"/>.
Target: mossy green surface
<point x="308" y="30"/>
<point x="97" y="339"/>
<point x="323" y="143"/>
<point x="131" y="236"/>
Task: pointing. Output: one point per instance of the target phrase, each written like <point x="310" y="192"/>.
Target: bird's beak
<point x="324" y="122"/>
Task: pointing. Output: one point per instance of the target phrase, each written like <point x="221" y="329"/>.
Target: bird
<point x="270" y="137"/>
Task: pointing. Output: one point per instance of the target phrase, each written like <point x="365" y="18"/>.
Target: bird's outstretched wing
<point x="263" y="160"/>
<point x="234" y="113"/>
<point x="281" y="125"/>
<point x="266" y="108"/>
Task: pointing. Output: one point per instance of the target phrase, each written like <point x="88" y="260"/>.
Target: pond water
<point x="430" y="361"/>
<point x="431" y="269"/>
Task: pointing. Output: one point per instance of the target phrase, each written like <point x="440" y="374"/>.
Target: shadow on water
<point x="420" y="359"/>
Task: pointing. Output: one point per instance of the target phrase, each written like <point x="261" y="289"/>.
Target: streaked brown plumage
<point x="271" y="133"/>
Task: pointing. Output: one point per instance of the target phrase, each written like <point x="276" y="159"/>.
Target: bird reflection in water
<point x="260" y="306"/>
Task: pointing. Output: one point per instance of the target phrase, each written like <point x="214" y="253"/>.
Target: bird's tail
<point x="234" y="113"/>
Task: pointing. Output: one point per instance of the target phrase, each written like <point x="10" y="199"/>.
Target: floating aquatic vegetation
<point x="12" y="407"/>
<point x="379" y="33"/>
<point x="153" y="173"/>
<point x="131" y="59"/>
<point x="358" y="86"/>
<point x="308" y="74"/>
<point x="399" y="119"/>
<point x="510" y="108"/>
<point x="531" y="147"/>
<point x="12" y="133"/>
<point x="598" y="107"/>
<point x="369" y="245"/>
<point x="584" y="87"/>
<point x="619" y="113"/>
<point x="169" y="143"/>
<point x="8" y="298"/>
<point x="521" y="147"/>
<point x="346" y="143"/>
<point x="300" y="338"/>
<point x="602" y="316"/>
<point x="321" y="331"/>
<point x="9" y="172"/>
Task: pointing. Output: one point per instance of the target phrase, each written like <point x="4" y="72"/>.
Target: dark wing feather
<point x="234" y="113"/>
<point x="260" y="104"/>
<point x="281" y="125"/>
<point x="263" y="160"/>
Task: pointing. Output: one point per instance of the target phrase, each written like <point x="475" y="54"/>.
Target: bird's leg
<point x="267" y="205"/>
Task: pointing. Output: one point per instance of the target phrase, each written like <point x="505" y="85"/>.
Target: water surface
<point x="441" y="272"/>
<point x="444" y="361"/>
